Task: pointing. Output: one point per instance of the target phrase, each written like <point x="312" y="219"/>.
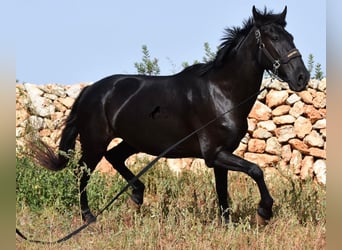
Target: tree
<point x="186" y="64"/>
<point x="318" y="72"/>
<point x="148" y="66"/>
<point x="208" y="56"/>
<point x="310" y="63"/>
<point x="318" y="68"/>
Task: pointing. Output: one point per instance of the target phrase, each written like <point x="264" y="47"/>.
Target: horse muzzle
<point x="298" y="81"/>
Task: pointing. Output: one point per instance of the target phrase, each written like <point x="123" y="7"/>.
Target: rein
<point x="143" y="171"/>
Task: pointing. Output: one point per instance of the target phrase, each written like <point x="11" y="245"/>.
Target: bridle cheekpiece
<point x="276" y="63"/>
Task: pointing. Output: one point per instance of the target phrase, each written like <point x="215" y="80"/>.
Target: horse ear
<point x="256" y="16"/>
<point x="255" y="13"/>
<point x="283" y="14"/>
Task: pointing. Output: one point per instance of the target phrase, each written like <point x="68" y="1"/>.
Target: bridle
<point x="276" y="62"/>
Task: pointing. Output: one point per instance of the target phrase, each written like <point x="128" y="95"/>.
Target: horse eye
<point x="275" y="38"/>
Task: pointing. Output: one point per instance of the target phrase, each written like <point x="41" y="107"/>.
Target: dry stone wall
<point x="286" y="129"/>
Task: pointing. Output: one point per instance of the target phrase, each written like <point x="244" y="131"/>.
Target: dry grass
<point x="181" y="213"/>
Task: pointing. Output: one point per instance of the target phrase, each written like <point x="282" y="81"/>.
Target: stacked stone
<point x="288" y="130"/>
<point x="42" y="109"/>
<point x="285" y="129"/>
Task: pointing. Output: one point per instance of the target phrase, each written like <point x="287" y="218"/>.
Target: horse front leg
<point x="228" y="161"/>
<point x="221" y="181"/>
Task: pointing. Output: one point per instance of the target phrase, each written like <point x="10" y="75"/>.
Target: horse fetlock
<point x="224" y="217"/>
<point x="88" y="217"/>
<point x="260" y="221"/>
<point x="265" y="213"/>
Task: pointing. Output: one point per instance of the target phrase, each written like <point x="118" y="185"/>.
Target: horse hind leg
<point x="93" y="148"/>
<point x="89" y="159"/>
<point x="117" y="156"/>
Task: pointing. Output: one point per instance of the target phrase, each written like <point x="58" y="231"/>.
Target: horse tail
<point x="44" y="155"/>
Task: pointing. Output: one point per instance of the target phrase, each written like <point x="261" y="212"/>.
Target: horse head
<point x="277" y="51"/>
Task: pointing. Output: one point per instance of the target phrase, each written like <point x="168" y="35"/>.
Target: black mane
<point x="233" y="37"/>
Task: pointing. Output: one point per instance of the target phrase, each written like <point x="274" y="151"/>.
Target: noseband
<point x="276" y="63"/>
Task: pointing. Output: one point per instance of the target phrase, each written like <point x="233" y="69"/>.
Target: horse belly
<point x="153" y="136"/>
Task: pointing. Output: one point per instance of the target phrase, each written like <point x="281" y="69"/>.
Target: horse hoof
<point x="225" y="221"/>
<point x="265" y="213"/>
<point x="133" y="204"/>
<point x="260" y="221"/>
<point x="88" y="218"/>
<point x="138" y="196"/>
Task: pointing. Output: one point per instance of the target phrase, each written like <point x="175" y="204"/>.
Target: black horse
<point x="150" y="113"/>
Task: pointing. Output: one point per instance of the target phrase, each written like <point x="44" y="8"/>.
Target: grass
<point x="179" y="212"/>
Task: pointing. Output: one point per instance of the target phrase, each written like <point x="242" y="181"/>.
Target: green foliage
<point x="39" y="188"/>
<point x="304" y="200"/>
<point x="318" y="68"/>
<point x="148" y="66"/>
<point x="209" y="56"/>
<point x="318" y="72"/>
<point x="186" y="64"/>
<point x="310" y="63"/>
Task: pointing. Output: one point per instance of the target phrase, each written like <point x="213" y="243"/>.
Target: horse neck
<point x="241" y="72"/>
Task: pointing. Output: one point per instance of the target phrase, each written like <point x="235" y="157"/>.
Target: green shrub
<point x="39" y="188"/>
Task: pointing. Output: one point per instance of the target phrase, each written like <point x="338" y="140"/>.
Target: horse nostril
<point x="301" y="79"/>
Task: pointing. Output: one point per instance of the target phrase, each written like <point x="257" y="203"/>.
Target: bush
<point x="39" y="188"/>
